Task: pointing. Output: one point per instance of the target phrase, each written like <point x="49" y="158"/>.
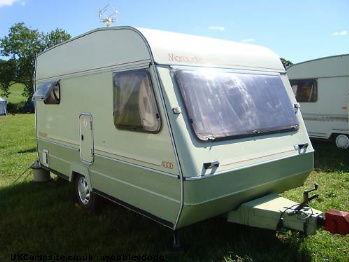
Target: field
<point x="40" y="219"/>
<point x="16" y="96"/>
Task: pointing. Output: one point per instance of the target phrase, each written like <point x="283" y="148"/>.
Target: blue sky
<point x="297" y="30"/>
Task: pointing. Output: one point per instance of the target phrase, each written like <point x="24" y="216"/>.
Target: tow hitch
<point x="277" y="213"/>
<point x="306" y="198"/>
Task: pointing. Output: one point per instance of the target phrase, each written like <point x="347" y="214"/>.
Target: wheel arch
<point x="76" y="170"/>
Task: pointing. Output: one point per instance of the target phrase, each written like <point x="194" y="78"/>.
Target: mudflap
<point x="277" y="213"/>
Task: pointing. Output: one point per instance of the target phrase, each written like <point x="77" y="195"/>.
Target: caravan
<point x="321" y="87"/>
<point x="176" y="127"/>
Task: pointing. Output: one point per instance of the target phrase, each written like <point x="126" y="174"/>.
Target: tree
<point x="7" y="70"/>
<point x="286" y="63"/>
<point x="21" y="46"/>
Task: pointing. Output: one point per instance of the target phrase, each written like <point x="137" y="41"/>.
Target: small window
<point x="134" y="102"/>
<point x="49" y="92"/>
<point x="305" y="90"/>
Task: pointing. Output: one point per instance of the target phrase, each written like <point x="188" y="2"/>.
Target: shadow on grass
<point x="29" y="150"/>
<point x="329" y="158"/>
<point x="41" y="219"/>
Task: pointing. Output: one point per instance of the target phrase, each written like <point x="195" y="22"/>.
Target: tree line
<point x="20" y="48"/>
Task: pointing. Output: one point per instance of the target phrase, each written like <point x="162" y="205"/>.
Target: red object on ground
<point x="337" y="222"/>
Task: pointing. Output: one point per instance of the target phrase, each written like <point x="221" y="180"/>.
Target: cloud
<point x="341" y="33"/>
<point x="248" y="40"/>
<point x="10" y="2"/>
<point x="219" y="28"/>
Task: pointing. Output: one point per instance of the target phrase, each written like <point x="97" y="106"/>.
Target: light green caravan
<point x="321" y="87"/>
<point x="176" y="127"/>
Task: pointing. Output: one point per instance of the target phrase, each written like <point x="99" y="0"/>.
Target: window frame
<point x="223" y="133"/>
<point x="150" y="103"/>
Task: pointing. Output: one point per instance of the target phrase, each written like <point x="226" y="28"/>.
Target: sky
<point x="297" y="30"/>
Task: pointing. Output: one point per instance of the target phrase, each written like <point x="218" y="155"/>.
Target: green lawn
<point x="16" y="96"/>
<point x="41" y="218"/>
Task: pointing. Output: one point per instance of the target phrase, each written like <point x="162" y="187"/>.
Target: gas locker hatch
<point x="86" y="138"/>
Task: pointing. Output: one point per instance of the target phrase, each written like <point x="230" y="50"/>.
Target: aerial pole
<point x="108" y="14"/>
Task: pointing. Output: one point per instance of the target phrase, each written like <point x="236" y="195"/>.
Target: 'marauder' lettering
<point x="185" y="59"/>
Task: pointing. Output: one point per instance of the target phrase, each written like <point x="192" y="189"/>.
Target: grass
<point x="17" y="146"/>
<point x="41" y="219"/>
<point x="16" y="96"/>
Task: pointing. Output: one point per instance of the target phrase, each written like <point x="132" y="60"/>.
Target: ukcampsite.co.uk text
<point x="117" y="257"/>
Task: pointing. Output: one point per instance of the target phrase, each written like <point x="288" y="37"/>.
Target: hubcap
<point x="342" y="141"/>
<point x="83" y="191"/>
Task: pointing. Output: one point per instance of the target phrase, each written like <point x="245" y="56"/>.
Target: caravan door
<point x="86" y="138"/>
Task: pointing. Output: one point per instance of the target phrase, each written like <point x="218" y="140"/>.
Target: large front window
<point x="224" y="104"/>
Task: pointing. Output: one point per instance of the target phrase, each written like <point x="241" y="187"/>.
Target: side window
<point x="55" y="95"/>
<point x="134" y="102"/>
<point x="305" y="90"/>
<point x="49" y="92"/>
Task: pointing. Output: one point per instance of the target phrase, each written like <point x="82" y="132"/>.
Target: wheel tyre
<point x="342" y="141"/>
<point x="84" y="195"/>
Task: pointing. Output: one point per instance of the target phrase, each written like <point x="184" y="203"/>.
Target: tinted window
<point x="305" y="90"/>
<point x="229" y="104"/>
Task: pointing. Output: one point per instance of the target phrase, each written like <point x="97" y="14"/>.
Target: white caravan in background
<point x="321" y="87"/>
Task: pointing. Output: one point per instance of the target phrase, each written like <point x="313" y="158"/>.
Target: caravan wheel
<point x="84" y="195"/>
<point x="342" y="141"/>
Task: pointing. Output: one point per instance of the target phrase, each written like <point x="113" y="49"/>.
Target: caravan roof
<point x="109" y="47"/>
<point x="322" y="67"/>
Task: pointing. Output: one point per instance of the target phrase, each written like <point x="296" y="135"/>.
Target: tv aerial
<point x="108" y="14"/>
